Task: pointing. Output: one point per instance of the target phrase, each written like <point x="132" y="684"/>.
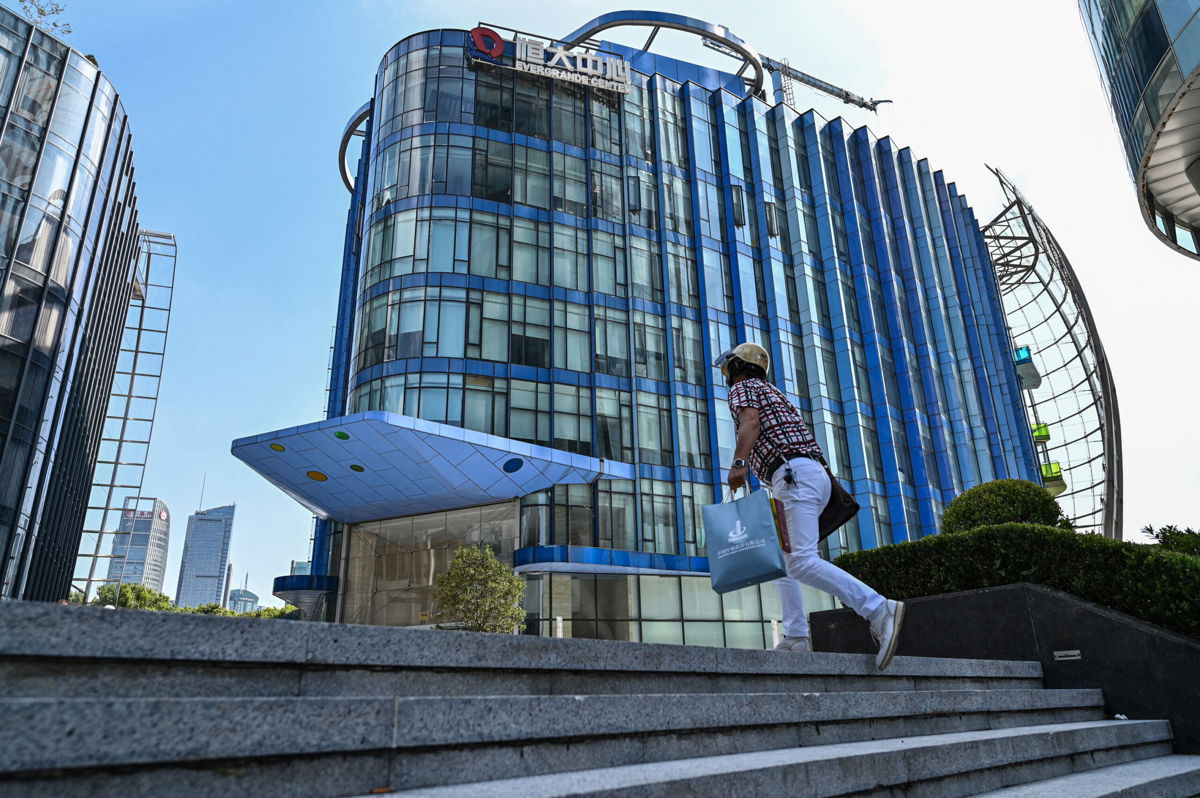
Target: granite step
<point x="933" y="766"/>
<point x="1162" y="777"/>
<point x="51" y="650"/>
<point x="517" y="735"/>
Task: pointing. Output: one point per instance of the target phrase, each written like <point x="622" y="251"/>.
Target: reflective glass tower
<point x="68" y="246"/>
<point x="545" y="250"/>
<point x="204" y="571"/>
<point x="1148" y="52"/>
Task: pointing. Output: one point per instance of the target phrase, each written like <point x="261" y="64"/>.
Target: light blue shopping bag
<point x="743" y="544"/>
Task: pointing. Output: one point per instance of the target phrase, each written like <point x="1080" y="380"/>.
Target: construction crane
<point x="788" y="73"/>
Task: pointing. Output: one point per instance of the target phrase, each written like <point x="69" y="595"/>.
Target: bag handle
<point x="730" y="495"/>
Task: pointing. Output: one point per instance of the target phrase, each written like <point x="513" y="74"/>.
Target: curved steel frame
<point x="1048" y="311"/>
<point x="659" y="19"/>
<point x="353" y="128"/>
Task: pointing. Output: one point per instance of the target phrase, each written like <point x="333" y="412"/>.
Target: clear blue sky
<point x="237" y="107"/>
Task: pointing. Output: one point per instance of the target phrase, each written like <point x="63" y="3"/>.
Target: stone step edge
<point x="833" y="769"/>
<point x="52" y="631"/>
<point x="1160" y="773"/>
<point x="169" y="729"/>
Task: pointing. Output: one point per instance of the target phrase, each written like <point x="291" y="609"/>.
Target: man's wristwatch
<point x="738" y="463"/>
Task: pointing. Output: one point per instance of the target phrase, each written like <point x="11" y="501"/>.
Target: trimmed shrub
<point x="1003" y="501"/>
<point x="1161" y="587"/>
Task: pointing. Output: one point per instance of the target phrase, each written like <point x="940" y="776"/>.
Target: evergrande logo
<point x="544" y="58"/>
<point x="738" y="533"/>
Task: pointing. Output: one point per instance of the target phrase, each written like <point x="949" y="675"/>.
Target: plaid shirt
<point x="783" y="431"/>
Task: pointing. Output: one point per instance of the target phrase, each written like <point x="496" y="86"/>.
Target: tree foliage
<point x="271" y="612"/>
<point x="1162" y="587"/>
<point x="132" y="596"/>
<point x="44" y="14"/>
<point x="139" y="597"/>
<point x="1172" y="538"/>
<point x="480" y="592"/>
<point x="1003" y="501"/>
<point x="212" y="608"/>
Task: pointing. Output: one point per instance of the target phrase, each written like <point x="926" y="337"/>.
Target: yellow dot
<point x="277" y="447"/>
<point x="317" y="476"/>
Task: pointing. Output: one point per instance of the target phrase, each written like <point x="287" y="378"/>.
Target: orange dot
<point x="317" y="476"/>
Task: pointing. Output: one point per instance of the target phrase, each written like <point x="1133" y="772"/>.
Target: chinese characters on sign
<point x="538" y="58"/>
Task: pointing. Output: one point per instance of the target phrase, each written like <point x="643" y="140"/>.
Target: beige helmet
<point x="748" y="352"/>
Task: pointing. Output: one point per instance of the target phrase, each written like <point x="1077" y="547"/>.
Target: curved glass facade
<point x="1148" y="52"/>
<point x="558" y="265"/>
<point x="1068" y="384"/>
<point x="68" y="239"/>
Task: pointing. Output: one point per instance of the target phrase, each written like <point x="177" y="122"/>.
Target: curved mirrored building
<point x="1065" y="376"/>
<point x="68" y="270"/>
<point x="547" y="245"/>
<point x="1148" y="52"/>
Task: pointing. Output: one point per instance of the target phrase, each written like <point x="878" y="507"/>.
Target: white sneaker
<point x="794" y="644"/>
<point x="885" y="628"/>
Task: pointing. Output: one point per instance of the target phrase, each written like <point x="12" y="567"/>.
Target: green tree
<point x="270" y="612"/>
<point x="1172" y="538"/>
<point x="132" y="596"/>
<point x="44" y="14"/>
<point x="1003" y="501"/>
<point x="212" y="608"/>
<point x="76" y="597"/>
<point x="480" y="592"/>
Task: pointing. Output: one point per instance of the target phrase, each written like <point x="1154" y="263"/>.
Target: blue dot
<point x="513" y="465"/>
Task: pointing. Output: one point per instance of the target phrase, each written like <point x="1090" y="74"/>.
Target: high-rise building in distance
<point x="204" y="570"/>
<point x="68" y="256"/>
<point x="1148" y="52"/>
<point x="546" y="248"/>
<point x="139" y="549"/>
<point x="242" y="600"/>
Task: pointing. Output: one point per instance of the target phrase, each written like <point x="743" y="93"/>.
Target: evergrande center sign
<point x="540" y="58"/>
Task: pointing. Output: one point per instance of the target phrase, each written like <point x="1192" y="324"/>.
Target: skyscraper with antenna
<point x="204" y="570"/>
<point x="241" y="599"/>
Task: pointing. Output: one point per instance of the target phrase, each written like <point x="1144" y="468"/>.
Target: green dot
<point x="342" y="436"/>
<point x="357" y="468"/>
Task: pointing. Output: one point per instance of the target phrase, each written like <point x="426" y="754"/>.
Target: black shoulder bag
<point x="842" y="506"/>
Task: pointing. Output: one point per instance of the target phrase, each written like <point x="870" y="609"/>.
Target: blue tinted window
<point x="1175" y="14"/>
<point x="1146" y="45"/>
<point x="1187" y="47"/>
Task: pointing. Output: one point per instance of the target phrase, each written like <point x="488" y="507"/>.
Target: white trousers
<point x="803" y="502"/>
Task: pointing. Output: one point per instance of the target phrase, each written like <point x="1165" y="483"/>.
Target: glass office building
<point x="242" y="600"/>
<point x="541" y="263"/>
<point x="68" y="247"/>
<point x="1148" y="53"/>
<point x="205" y="570"/>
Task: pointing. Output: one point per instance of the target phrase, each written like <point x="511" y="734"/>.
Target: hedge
<point x="1002" y="501"/>
<point x="1161" y="587"/>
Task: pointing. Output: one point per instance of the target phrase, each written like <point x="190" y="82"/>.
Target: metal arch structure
<point x="1071" y="396"/>
<point x="354" y="128"/>
<point x="660" y="19"/>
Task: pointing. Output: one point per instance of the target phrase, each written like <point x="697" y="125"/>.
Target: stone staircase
<point x="124" y="703"/>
